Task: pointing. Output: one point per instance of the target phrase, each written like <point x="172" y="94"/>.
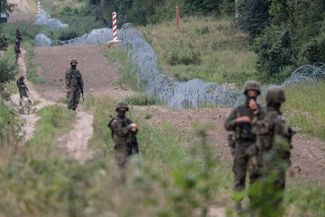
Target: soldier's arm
<point x="230" y="123"/>
<point x="81" y="80"/>
<point x="117" y="128"/>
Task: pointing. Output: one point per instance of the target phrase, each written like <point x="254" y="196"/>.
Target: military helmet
<point x="122" y="105"/>
<point x="275" y="94"/>
<point x="252" y="85"/>
<point x="73" y="62"/>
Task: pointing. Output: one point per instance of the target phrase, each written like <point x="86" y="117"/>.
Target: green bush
<point x="3" y="42"/>
<point x="7" y="70"/>
<point x="184" y="56"/>
<point x="142" y="100"/>
<point x="315" y="50"/>
<point x="274" y="50"/>
<point x="68" y="34"/>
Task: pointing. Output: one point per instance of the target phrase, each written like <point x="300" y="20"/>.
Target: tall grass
<point x="305" y="108"/>
<point x="53" y="120"/>
<point x="219" y="52"/>
<point x="119" y="58"/>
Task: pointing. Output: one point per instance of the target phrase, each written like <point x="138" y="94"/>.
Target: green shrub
<point x="315" y="50"/>
<point x="184" y="56"/>
<point x="274" y="50"/>
<point x="68" y="34"/>
<point x="7" y="70"/>
<point x="3" y="42"/>
<point x="142" y="100"/>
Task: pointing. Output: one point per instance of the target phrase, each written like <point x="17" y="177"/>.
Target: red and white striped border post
<point x="38" y="8"/>
<point x="115" y="27"/>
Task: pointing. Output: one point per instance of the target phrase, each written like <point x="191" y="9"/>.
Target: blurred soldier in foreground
<point x="74" y="85"/>
<point x="273" y="139"/>
<point x="17" y="51"/>
<point x="23" y="90"/>
<point x="124" y="135"/>
<point x="242" y="139"/>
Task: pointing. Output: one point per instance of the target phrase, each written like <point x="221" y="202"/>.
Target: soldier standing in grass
<point x="124" y="135"/>
<point x="17" y="51"/>
<point x="74" y="85"/>
<point x="239" y="122"/>
<point x="273" y="140"/>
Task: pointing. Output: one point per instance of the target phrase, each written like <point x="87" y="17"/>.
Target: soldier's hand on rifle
<point x="134" y="127"/>
<point x="243" y="119"/>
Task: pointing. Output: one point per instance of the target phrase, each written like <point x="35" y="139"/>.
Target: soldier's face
<point x="252" y="94"/>
<point x="73" y="66"/>
<point x="121" y="112"/>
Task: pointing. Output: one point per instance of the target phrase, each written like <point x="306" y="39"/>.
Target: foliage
<point x="7" y="71"/>
<point x="274" y="51"/>
<point x="6" y="7"/>
<point x="142" y="100"/>
<point x="307" y="113"/>
<point x="120" y="60"/>
<point x="215" y="49"/>
<point x="54" y="119"/>
<point x="254" y="16"/>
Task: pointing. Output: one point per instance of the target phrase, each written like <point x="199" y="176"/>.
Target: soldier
<point x="22" y="89"/>
<point x="19" y="38"/>
<point x="273" y="138"/>
<point x="124" y="135"/>
<point x="74" y="85"/>
<point x="17" y="51"/>
<point x="239" y="122"/>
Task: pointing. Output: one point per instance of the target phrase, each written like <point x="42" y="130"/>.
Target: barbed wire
<point x="194" y="93"/>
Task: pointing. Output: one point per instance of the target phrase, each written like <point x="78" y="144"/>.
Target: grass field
<point x="305" y="108"/>
<point x="211" y="49"/>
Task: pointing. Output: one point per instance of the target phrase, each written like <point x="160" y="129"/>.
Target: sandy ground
<point x="98" y="75"/>
<point x="22" y="11"/>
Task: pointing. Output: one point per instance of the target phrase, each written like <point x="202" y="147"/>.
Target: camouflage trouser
<point x="73" y="99"/>
<point x="23" y="93"/>
<point x="122" y="154"/>
<point x="243" y="155"/>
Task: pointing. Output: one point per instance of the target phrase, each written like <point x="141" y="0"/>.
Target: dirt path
<point x="99" y="76"/>
<point x="75" y="143"/>
<point x="22" y="11"/>
<point x="29" y="120"/>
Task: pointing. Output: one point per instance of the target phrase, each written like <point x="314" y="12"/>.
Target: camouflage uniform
<point x="273" y="138"/>
<point x="125" y="141"/>
<point x="242" y="141"/>
<point x="22" y="87"/>
<point x="74" y="84"/>
<point x="19" y="38"/>
<point x="17" y="51"/>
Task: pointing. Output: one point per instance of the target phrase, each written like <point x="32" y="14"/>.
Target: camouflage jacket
<point x="121" y="134"/>
<point x="21" y="86"/>
<point x="242" y="131"/>
<point x="17" y="49"/>
<point x="73" y="80"/>
<point x="273" y="137"/>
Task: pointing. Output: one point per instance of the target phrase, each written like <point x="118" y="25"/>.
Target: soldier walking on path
<point x="239" y="122"/>
<point x="124" y="136"/>
<point x="17" y="51"/>
<point x="273" y="139"/>
<point x="23" y="90"/>
<point x="74" y="85"/>
<point x="19" y="38"/>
